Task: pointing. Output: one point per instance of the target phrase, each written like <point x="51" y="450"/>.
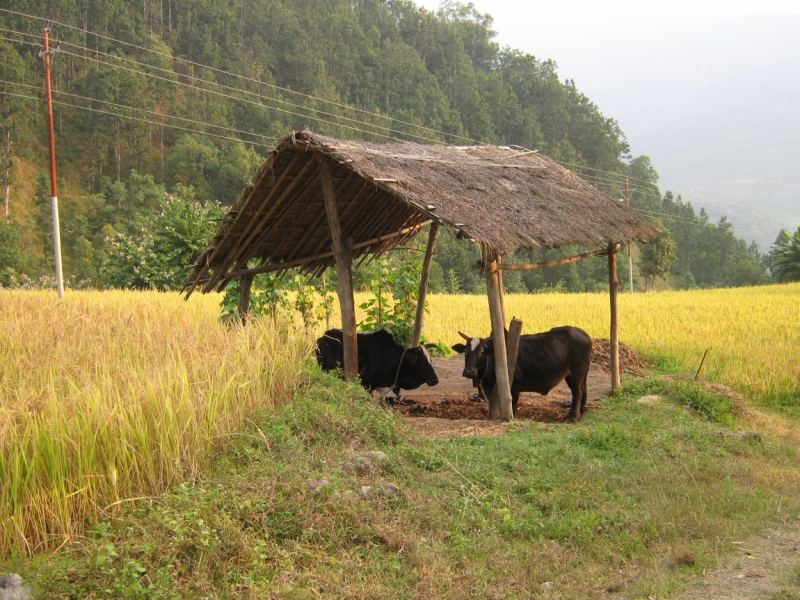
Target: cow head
<point x="416" y="369"/>
<point x="476" y="355"/>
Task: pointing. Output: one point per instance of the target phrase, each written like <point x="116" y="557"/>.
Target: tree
<point x="160" y="254"/>
<point x="12" y="115"/>
<point x="786" y="256"/>
<point x="11" y="253"/>
<point x="658" y="255"/>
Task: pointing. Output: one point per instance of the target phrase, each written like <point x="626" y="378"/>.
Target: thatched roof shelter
<point x="318" y="201"/>
<point x="501" y="197"/>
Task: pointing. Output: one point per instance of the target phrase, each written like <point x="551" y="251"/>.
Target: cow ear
<point x="459" y="348"/>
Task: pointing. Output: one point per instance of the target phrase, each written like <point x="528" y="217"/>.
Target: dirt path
<point x="760" y="567"/>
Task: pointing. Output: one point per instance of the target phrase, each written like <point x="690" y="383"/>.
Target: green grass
<point x="634" y="501"/>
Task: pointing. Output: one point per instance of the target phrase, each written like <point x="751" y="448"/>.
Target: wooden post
<point x="500" y="402"/>
<point x="500" y="287"/>
<point x="613" y="286"/>
<point x="514" y="332"/>
<point x="423" y="285"/>
<point x="245" y="282"/>
<point x="343" y="252"/>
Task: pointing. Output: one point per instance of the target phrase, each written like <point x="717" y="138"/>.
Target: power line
<point x="228" y="96"/>
<point x="164" y="115"/>
<point x="243" y="77"/>
<point x="363" y="124"/>
<point x="248" y="92"/>
<point x="687" y="221"/>
<point x="96" y="110"/>
<point x="194" y="87"/>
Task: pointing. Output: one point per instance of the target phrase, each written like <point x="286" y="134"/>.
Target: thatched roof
<point x="501" y="197"/>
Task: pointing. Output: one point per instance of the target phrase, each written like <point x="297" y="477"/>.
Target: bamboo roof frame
<point x="500" y="197"/>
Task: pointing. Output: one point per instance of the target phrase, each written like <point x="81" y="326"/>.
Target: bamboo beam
<point x="300" y="202"/>
<point x="613" y="285"/>
<point x="301" y="261"/>
<point x="262" y="226"/>
<point x="260" y="176"/>
<point x="253" y="220"/>
<point x="312" y="229"/>
<point x="500" y="402"/>
<point x="343" y="251"/>
<point x="553" y="263"/>
<point x="416" y="336"/>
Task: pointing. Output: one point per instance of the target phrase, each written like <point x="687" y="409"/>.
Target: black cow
<point x="379" y="357"/>
<point x="543" y="361"/>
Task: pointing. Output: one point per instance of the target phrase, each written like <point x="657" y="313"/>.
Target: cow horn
<point x="465" y="336"/>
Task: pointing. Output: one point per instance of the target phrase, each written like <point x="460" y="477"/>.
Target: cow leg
<point x="575" y="409"/>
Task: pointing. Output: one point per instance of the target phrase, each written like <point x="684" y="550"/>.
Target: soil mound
<point x="630" y="361"/>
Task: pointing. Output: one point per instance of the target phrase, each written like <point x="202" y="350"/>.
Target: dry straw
<point x="501" y="197"/>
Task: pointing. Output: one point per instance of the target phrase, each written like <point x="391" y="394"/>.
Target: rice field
<point x="110" y="396"/>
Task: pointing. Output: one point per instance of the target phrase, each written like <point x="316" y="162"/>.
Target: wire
<point x="442" y="133"/>
<point x="598" y="180"/>
<point x="138" y="119"/>
<point x="194" y="87"/>
<point x="699" y="221"/>
<point x="243" y="91"/>
<point x="144" y="110"/>
<point x="243" y="77"/>
<point x="228" y="96"/>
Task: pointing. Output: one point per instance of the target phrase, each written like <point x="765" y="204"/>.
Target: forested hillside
<point x="165" y="109"/>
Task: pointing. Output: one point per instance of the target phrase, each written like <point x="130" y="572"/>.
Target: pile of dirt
<point x="630" y="361"/>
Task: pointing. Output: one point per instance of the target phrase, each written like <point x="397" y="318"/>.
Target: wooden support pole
<point x="613" y="288"/>
<point x="423" y="285"/>
<point x="245" y="283"/>
<point x="343" y="252"/>
<point x="514" y="333"/>
<point x="500" y="402"/>
<point x="500" y="287"/>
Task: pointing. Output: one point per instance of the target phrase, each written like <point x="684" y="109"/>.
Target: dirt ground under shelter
<point x="452" y="407"/>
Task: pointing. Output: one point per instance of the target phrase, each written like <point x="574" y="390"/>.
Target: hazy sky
<point x="565" y="30"/>
<point x="706" y="88"/>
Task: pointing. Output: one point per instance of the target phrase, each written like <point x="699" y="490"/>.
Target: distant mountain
<point x="715" y="106"/>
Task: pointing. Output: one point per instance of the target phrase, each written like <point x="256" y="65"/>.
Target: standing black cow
<point x="543" y="361"/>
<point x="382" y="362"/>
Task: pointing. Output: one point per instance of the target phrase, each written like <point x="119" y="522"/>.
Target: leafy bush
<point x="160" y="254"/>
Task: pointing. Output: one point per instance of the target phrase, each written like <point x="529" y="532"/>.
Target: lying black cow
<point x="543" y="361"/>
<point x="379" y="356"/>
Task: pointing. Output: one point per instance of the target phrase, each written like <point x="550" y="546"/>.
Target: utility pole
<point x="47" y="53"/>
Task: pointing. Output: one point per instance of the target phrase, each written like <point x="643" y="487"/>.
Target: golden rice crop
<point x="108" y="396"/>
